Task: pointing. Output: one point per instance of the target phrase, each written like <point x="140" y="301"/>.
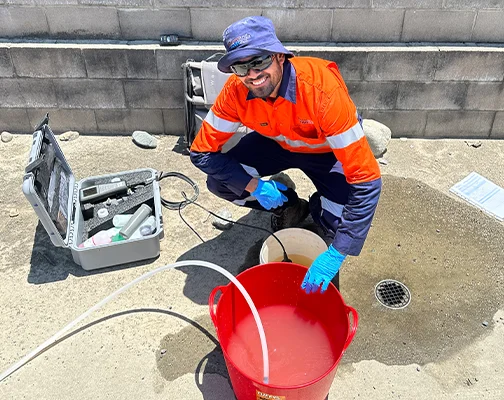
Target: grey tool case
<point x="51" y="188"/>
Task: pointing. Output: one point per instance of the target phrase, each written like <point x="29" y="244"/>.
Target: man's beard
<point x="262" y="91"/>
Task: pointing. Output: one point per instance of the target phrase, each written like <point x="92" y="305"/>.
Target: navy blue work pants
<point x="267" y="157"/>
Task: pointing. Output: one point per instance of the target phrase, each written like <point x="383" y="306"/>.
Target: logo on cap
<point x="234" y="43"/>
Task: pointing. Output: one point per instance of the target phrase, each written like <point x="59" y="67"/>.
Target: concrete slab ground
<point x="156" y="341"/>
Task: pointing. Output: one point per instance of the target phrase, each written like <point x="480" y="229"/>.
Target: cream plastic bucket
<point x="296" y="241"/>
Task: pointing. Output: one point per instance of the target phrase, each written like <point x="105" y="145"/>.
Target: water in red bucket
<point x="306" y="334"/>
<point x="299" y="346"/>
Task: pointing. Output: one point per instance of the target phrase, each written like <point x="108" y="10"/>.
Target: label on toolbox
<point x="264" y="396"/>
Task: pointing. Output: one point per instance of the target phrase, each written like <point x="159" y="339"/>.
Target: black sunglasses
<point x="259" y="63"/>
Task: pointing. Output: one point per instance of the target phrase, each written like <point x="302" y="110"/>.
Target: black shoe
<point x="290" y="216"/>
<point x="335" y="281"/>
<point x="322" y="230"/>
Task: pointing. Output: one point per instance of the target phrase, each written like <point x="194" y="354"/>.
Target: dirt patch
<point x="447" y="253"/>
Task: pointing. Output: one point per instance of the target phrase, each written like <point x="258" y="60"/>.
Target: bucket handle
<point x="211" y="302"/>
<point x="351" y="334"/>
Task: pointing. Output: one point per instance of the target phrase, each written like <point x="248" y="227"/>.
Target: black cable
<point x="175" y="205"/>
<point x="285" y="258"/>
<point x="187" y="223"/>
<point x="179" y="205"/>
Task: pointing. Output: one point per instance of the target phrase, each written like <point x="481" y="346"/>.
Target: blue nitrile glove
<point x="323" y="269"/>
<point x="268" y="194"/>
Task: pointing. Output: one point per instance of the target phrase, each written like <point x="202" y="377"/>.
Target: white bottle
<point x="120" y="220"/>
<point x="147" y="227"/>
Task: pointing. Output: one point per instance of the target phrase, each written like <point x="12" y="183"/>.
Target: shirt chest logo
<point x="305" y="121"/>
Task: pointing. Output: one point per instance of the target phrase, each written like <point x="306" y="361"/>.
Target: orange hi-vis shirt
<point x="319" y="117"/>
<point x="313" y="113"/>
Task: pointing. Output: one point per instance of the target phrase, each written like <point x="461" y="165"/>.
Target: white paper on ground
<point x="482" y="193"/>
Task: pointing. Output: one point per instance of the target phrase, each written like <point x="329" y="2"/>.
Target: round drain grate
<point x="392" y="294"/>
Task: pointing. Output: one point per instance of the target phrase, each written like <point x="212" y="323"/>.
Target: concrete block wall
<point x="423" y="91"/>
<point x="342" y="21"/>
<point x="96" y="66"/>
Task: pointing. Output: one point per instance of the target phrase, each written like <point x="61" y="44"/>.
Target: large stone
<point x="222" y="224"/>
<point x="68" y="136"/>
<point x="378" y="136"/>
<point x="6" y="137"/>
<point x="282" y="177"/>
<point x="144" y="139"/>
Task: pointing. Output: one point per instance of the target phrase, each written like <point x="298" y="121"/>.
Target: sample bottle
<point x="143" y="212"/>
<point x="102" y="237"/>
<point x="120" y="220"/>
<point x="147" y="227"/>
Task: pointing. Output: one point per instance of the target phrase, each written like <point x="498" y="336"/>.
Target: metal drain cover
<point x="392" y="294"/>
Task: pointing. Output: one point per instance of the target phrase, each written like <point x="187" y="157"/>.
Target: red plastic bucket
<point x="275" y="288"/>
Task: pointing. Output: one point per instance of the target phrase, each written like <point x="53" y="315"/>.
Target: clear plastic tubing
<point x="49" y="342"/>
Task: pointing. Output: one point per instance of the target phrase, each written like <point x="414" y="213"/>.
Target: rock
<point x="473" y="143"/>
<point x="282" y="177"/>
<point x="378" y="136"/>
<point x="383" y="161"/>
<point x="220" y="223"/>
<point x="6" y="136"/>
<point x="13" y="213"/>
<point x="484" y="323"/>
<point x="144" y="139"/>
<point x="68" y="136"/>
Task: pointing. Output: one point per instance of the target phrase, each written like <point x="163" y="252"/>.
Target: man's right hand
<point x="269" y="195"/>
<point x="323" y="269"/>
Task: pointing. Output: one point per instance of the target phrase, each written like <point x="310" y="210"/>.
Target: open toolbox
<point x="75" y="212"/>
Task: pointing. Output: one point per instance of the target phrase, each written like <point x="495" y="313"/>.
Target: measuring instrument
<point x="95" y="193"/>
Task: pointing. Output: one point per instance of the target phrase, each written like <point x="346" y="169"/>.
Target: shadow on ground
<point x="195" y="351"/>
<point x="181" y="146"/>
<point x="235" y="250"/>
<point x="49" y="263"/>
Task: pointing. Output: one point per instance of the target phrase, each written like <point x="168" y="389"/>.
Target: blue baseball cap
<point x="249" y="37"/>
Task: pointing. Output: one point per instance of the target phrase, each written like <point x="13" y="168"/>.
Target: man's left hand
<point x="323" y="269"/>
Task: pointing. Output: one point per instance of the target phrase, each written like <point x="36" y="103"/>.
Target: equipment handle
<point x="353" y="329"/>
<point x="211" y="301"/>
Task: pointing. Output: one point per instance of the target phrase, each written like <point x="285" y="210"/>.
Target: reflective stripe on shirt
<point x="221" y="124"/>
<point x="297" y="143"/>
<point x="344" y="139"/>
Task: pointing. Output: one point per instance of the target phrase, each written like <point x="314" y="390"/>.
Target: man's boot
<point x="290" y="216"/>
<point x="315" y="208"/>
